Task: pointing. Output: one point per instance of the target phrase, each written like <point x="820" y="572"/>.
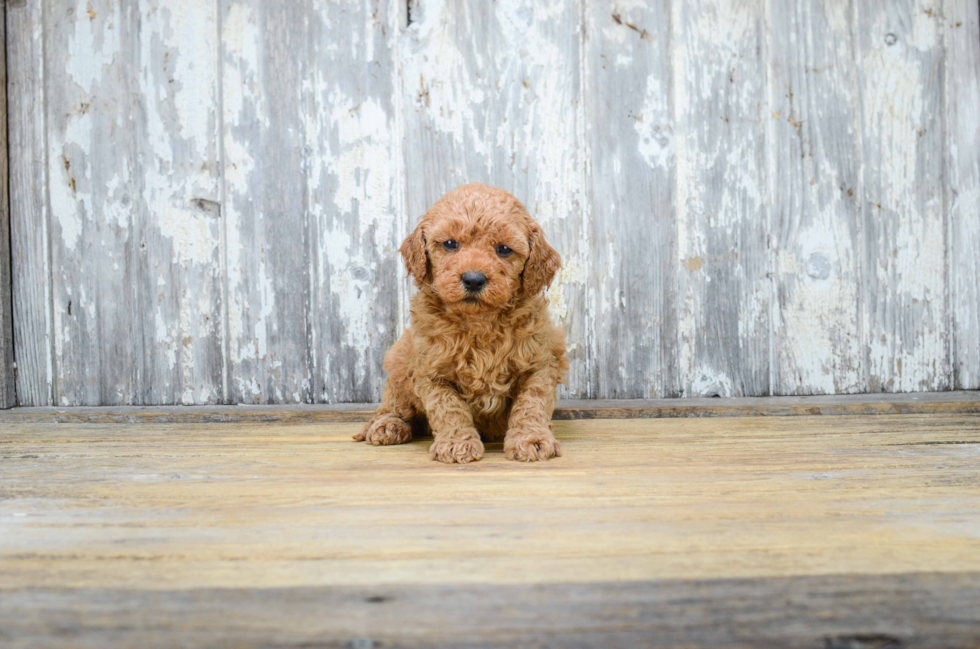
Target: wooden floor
<point x="808" y="531"/>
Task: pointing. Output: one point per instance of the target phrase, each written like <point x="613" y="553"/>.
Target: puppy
<point x="481" y="356"/>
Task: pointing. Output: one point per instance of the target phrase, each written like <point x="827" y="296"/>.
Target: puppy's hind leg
<point x="390" y="424"/>
<point x="385" y="430"/>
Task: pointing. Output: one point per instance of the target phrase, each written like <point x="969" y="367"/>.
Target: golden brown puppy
<point x="481" y="356"/>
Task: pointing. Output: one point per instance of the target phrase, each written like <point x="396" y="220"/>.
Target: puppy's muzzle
<point x="473" y="281"/>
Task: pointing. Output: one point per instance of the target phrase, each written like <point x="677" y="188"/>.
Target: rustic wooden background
<point x="751" y="198"/>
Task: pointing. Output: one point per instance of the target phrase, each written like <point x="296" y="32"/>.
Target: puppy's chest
<point x="484" y="371"/>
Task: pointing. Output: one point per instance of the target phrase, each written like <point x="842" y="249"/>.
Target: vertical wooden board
<point x="904" y="302"/>
<point x="633" y="237"/>
<point x="8" y="396"/>
<point x="355" y="195"/>
<point x="31" y="271"/>
<point x="265" y="87"/>
<point x="814" y="162"/>
<point x="178" y="199"/>
<point x="962" y="114"/>
<point x="446" y="91"/>
<point x="492" y="93"/>
<point x="95" y="235"/>
<point x="719" y="107"/>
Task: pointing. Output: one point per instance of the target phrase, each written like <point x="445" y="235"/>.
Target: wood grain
<point x="96" y="225"/>
<point x="861" y="404"/>
<point x="904" y="306"/>
<point x="266" y="506"/>
<point x="961" y="100"/>
<point x="314" y="203"/>
<point x="629" y="99"/>
<point x="179" y="265"/>
<point x="131" y="157"/>
<point x="816" y="232"/>
<point x="724" y="297"/>
<point x="29" y="213"/>
<point x="354" y="169"/>
<point x="7" y="388"/>
<point x="265" y="94"/>
<point x="934" y="610"/>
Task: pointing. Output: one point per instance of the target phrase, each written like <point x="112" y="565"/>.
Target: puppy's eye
<point x="452" y="244"/>
<point x="503" y="250"/>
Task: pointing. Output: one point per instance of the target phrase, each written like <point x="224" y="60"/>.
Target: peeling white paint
<point x="93" y="46"/>
<point x="362" y="160"/>
<point x="570" y="273"/>
<point x="244" y="110"/>
<point x="450" y="103"/>
<point x="655" y="140"/>
<point x="178" y="78"/>
<point x="707" y="382"/>
<point x="905" y="322"/>
<point x="518" y="114"/>
<point x="68" y="205"/>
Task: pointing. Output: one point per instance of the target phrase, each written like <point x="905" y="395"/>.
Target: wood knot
<point x="863" y="641"/>
<point x="209" y="207"/>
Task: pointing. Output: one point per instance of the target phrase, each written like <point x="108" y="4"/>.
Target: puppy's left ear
<point x="416" y="259"/>
<point x="542" y="263"/>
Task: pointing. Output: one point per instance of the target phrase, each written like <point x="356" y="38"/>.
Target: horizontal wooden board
<point x="926" y="611"/>
<point x="858" y="404"/>
<point x="178" y="506"/>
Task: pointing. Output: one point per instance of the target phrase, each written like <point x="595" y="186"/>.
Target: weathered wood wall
<point x="752" y="198"/>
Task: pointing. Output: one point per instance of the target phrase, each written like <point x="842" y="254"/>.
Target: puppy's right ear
<point x="416" y="259"/>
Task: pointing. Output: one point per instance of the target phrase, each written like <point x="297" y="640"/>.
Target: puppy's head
<point x="479" y="250"/>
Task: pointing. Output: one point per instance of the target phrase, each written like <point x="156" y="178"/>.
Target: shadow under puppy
<point x="481" y="356"/>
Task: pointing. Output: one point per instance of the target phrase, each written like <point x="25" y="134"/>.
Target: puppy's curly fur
<point x="475" y="363"/>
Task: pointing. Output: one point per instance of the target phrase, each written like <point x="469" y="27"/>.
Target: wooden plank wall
<point x="750" y="199"/>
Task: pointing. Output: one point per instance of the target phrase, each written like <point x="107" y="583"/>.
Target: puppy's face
<point x="479" y="250"/>
<point x="477" y="259"/>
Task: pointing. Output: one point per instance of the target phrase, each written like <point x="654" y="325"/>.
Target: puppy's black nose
<point x="473" y="281"/>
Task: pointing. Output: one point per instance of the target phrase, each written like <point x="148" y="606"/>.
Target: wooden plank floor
<point x="754" y="531"/>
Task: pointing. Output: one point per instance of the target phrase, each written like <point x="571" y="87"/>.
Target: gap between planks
<point x="962" y="402"/>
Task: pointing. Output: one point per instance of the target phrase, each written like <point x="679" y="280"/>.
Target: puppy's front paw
<point x="531" y="445"/>
<point x="385" y="431"/>
<point x="460" y="449"/>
